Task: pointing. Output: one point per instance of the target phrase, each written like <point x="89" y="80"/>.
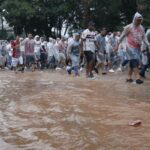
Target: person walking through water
<point x="73" y="50"/>
<point x="134" y="34"/>
<point x="15" y="53"/>
<point x="88" y="42"/>
<point x="29" y="52"/>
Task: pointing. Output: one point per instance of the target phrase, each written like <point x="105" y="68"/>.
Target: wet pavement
<point x="52" y="111"/>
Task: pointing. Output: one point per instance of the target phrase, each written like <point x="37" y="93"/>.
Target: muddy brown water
<point x="52" y="111"/>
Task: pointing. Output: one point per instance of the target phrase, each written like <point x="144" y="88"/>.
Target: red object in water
<point x="135" y="123"/>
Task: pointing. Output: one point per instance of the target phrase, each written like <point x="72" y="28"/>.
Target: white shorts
<point x="16" y="61"/>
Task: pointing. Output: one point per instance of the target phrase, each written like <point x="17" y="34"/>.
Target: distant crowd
<point x="95" y="51"/>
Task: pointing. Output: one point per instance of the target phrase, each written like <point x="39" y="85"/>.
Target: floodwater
<point x="52" y="111"/>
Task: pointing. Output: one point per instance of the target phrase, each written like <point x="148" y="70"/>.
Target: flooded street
<point x="52" y="111"/>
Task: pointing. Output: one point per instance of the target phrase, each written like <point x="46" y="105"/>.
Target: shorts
<point x="89" y="56"/>
<point x="100" y="58"/>
<point x="133" y="53"/>
<point x="134" y="63"/>
<point x="30" y="59"/>
<point x="110" y="57"/>
<point x="15" y="62"/>
<point x="62" y="57"/>
<point x="37" y="56"/>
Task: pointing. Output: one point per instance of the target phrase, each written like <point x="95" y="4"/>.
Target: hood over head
<point x="137" y="16"/>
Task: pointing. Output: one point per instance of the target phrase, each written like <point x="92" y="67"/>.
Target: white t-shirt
<point x="37" y="46"/>
<point x="89" y="38"/>
<point x="70" y="40"/>
<point x="51" y="50"/>
<point x="107" y="43"/>
<point x="22" y="47"/>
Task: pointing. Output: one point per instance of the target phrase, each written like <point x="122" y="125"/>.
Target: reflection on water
<point x="49" y="111"/>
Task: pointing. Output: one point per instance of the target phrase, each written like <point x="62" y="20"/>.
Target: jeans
<point x="144" y="68"/>
<point x="76" y="70"/>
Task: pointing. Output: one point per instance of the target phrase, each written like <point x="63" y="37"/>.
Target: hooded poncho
<point x="136" y="34"/>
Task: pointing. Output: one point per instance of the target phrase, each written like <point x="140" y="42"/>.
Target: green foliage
<point x="41" y="16"/>
<point x="3" y="34"/>
<point x="10" y="37"/>
<point x="144" y="8"/>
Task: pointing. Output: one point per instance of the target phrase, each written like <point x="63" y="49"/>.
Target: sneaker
<point x="119" y="69"/>
<point x="129" y="80"/>
<point x="68" y="68"/>
<point x="111" y="71"/>
<point x="104" y="73"/>
<point x="81" y="69"/>
<point x="139" y="81"/>
<point x="57" y="68"/>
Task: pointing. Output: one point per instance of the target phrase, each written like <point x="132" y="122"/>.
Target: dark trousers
<point x="43" y="59"/>
<point x="125" y="62"/>
<point x="149" y="59"/>
<point x="143" y="70"/>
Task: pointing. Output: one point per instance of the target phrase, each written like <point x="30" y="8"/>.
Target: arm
<point x="96" y="43"/>
<point x="18" y="45"/>
<point x="110" y="43"/>
<point x="83" y="40"/>
<point x="116" y="47"/>
<point x="81" y="45"/>
<point x="125" y="32"/>
<point x="69" y="50"/>
<point x="146" y="41"/>
<point x="15" y="45"/>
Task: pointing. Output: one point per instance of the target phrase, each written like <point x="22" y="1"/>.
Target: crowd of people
<point x="96" y="51"/>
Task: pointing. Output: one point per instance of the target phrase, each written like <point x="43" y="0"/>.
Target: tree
<point x="47" y="17"/>
<point x="18" y="14"/>
<point x="143" y="6"/>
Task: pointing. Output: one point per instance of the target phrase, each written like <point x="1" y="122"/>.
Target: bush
<point x="3" y="34"/>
